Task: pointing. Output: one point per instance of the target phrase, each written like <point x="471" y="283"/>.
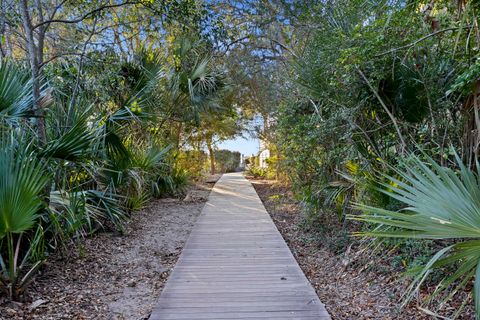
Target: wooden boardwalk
<point x="236" y="265"/>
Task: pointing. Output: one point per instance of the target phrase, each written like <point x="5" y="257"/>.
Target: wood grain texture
<point x="236" y="265"/>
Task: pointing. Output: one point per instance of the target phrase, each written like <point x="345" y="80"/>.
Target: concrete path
<point x="236" y="265"/>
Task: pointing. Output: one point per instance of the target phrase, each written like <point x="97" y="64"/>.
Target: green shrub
<point x="172" y="183"/>
<point x="257" y="172"/>
<point x="226" y="160"/>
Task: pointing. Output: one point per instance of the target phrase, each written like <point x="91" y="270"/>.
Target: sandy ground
<point x="111" y="276"/>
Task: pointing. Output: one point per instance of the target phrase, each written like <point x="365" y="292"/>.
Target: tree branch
<point x="85" y="16"/>
<point x="61" y="56"/>
<point x="55" y="10"/>
<point x="395" y="124"/>
<point x="420" y="40"/>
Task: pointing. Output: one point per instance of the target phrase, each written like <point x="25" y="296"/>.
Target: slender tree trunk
<point x="42" y="30"/>
<point x="34" y="55"/>
<point x="118" y="42"/>
<point x="81" y="60"/>
<point x="403" y="145"/>
<point x="211" y="153"/>
<point x="265" y="125"/>
<point x="476" y="106"/>
<point x="3" y="27"/>
<point x="179" y="134"/>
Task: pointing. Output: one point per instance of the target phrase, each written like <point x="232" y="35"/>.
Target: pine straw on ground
<point x="112" y="276"/>
<point x="368" y="288"/>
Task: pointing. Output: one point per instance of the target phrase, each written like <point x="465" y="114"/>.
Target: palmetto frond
<point x="194" y="85"/>
<point x="16" y="99"/>
<point x="148" y="159"/>
<point x="204" y="84"/>
<point x="22" y="178"/>
<point x="441" y="204"/>
<point x="73" y="145"/>
<point x="85" y="210"/>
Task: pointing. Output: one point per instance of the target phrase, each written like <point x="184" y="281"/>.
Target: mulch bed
<point x="366" y="288"/>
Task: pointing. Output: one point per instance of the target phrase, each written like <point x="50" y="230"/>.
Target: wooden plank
<point x="227" y="301"/>
<point x="236" y="265"/>
<point x="168" y="314"/>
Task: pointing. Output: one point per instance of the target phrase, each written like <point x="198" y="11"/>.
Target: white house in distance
<point x="241" y="165"/>
<point x="263" y="155"/>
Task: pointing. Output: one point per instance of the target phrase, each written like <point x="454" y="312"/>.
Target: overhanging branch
<point x="85" y="16"/>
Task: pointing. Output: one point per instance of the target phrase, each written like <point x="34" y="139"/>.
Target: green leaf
<point x="22" y="179"/>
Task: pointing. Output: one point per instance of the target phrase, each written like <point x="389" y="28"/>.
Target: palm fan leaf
<point x="70" y="135"/>
<point x="22" y="179"/>
<point x="148" y="159"/>
<point x="16" y="98"/>
<point x="74" y="145"/>
<point x="440" y="204"/>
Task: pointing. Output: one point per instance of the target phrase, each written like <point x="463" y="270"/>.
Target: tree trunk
<point x="3" y="27"/>
<point x="34" y="55"/>
<point x="179" y="134"/>
<point x="476" y="107"/>
<point x="265" y="126"/>
<point x="211" y="153"/>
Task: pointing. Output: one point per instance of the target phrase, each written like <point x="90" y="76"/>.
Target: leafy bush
<point x="172" y="182"/>
<point x="226" y="160"/>
<point x="257" y="171"/>
<point x="195" y="162"/>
